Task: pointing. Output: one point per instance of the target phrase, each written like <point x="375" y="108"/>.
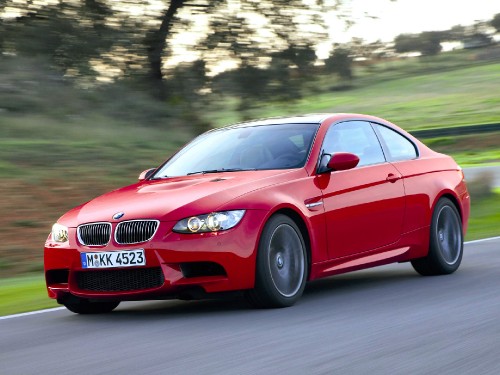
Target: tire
<point x="281" y="270"/>
<point x="84" y="306"/>
<point x="446" y="242"/>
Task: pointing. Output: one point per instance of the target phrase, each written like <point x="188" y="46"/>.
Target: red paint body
<point x="366" y="216"/>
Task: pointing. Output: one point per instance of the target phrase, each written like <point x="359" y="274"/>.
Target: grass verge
<point x="485" y="216"/>
<point x="24" y="293"/>
<point x="469" y="150"/>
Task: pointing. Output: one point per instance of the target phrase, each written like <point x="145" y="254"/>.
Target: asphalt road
<point x="386" y="320"/>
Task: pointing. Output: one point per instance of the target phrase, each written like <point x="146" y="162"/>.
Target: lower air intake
<point x="120" y="280"/>
<point x="201" y="269"/>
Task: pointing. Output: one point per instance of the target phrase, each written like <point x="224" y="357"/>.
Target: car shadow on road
<point x="338" y="286"/>
<point x="360" y="281"/>
<point x="233" y="305"/>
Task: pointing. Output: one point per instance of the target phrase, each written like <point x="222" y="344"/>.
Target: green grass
<point x="475" y="158"/>
<point x="21" y="294"/>
<point x="42" y="147"/>
<point x="485" y="217"/>
<point x="469" y="150"/>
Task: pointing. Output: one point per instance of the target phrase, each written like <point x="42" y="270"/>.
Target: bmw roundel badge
<point x="118" y="215"/>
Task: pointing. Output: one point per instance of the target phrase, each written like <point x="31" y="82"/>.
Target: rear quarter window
<point x="398" y="146"/>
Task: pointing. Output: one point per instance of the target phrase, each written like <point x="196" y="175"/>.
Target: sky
<point x="411" y="16"/>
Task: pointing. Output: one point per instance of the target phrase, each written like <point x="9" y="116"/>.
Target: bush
<point x="482" y="186"/>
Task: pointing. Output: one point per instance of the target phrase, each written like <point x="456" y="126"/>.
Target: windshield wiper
<point x="221" y="170"/>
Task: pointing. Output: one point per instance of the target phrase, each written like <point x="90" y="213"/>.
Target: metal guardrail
<point x="458" y="130"/>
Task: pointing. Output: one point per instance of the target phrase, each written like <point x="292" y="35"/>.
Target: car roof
<point x="312" y="118"/>
<point x="315" y="118"/>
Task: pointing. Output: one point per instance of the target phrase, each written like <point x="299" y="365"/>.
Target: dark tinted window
<point x="399" y="147"/>
<point x="356" y="137"/>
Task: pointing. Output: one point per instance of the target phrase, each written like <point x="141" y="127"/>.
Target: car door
<point x="403" y="154"/>
<point x="364" y="206"/>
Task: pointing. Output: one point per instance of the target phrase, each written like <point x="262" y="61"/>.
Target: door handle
<point x="392" y="178"/>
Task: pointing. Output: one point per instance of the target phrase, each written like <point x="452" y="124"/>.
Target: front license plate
<point x="107" y="259"/>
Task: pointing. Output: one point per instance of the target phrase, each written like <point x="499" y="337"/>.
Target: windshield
<point x="281" y="146"/>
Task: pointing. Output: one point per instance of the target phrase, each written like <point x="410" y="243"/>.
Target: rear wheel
<point x="84" y="306"/>
<point x="446" y="242"/>
<point x="281" y="265"/>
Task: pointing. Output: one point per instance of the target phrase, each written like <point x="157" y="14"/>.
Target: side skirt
<point x="410" y="246"/>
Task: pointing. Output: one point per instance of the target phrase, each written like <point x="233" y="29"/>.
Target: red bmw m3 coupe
<point x="262" y="207"/>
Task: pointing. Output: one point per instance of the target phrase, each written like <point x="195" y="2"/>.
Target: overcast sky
<point x="412" y="16"/>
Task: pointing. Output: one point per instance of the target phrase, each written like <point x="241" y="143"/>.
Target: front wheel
<point x="281" y="265"/>
<point x="446" y="242"/>
<point x="84" y="306"/>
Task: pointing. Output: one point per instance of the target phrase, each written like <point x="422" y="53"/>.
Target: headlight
<point x="59" y="233"/>
<point x="213" y="222"/>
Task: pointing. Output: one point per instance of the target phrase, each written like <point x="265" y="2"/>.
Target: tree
<point x="456" y="34"/>
<point x="405" y="43"/>
<point x="80" y="37"/>
<point x="156" y="39"/>
<point x="300" y="56"/>
<point x="340" y="62"/>
<point x="231" y="35"/>
<point x="495" y="22"/>
<point x="187" y="80"/>
<point x="67" y="34"/>
<point x="428" y="43"/>
<point x="362" y="51"/>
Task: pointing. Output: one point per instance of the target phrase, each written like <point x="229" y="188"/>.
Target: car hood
<point x="172" y="199"/>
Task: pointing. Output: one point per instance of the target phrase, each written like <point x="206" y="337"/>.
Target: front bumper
<point x="177" y="265"/>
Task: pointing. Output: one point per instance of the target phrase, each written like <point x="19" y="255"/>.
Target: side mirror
<point x="341" y="161"/>
<point x="146" y="174"/>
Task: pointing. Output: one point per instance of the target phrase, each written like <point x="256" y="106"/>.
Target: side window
<point x="356" y="137"/>
<point x="399" y="147"/>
